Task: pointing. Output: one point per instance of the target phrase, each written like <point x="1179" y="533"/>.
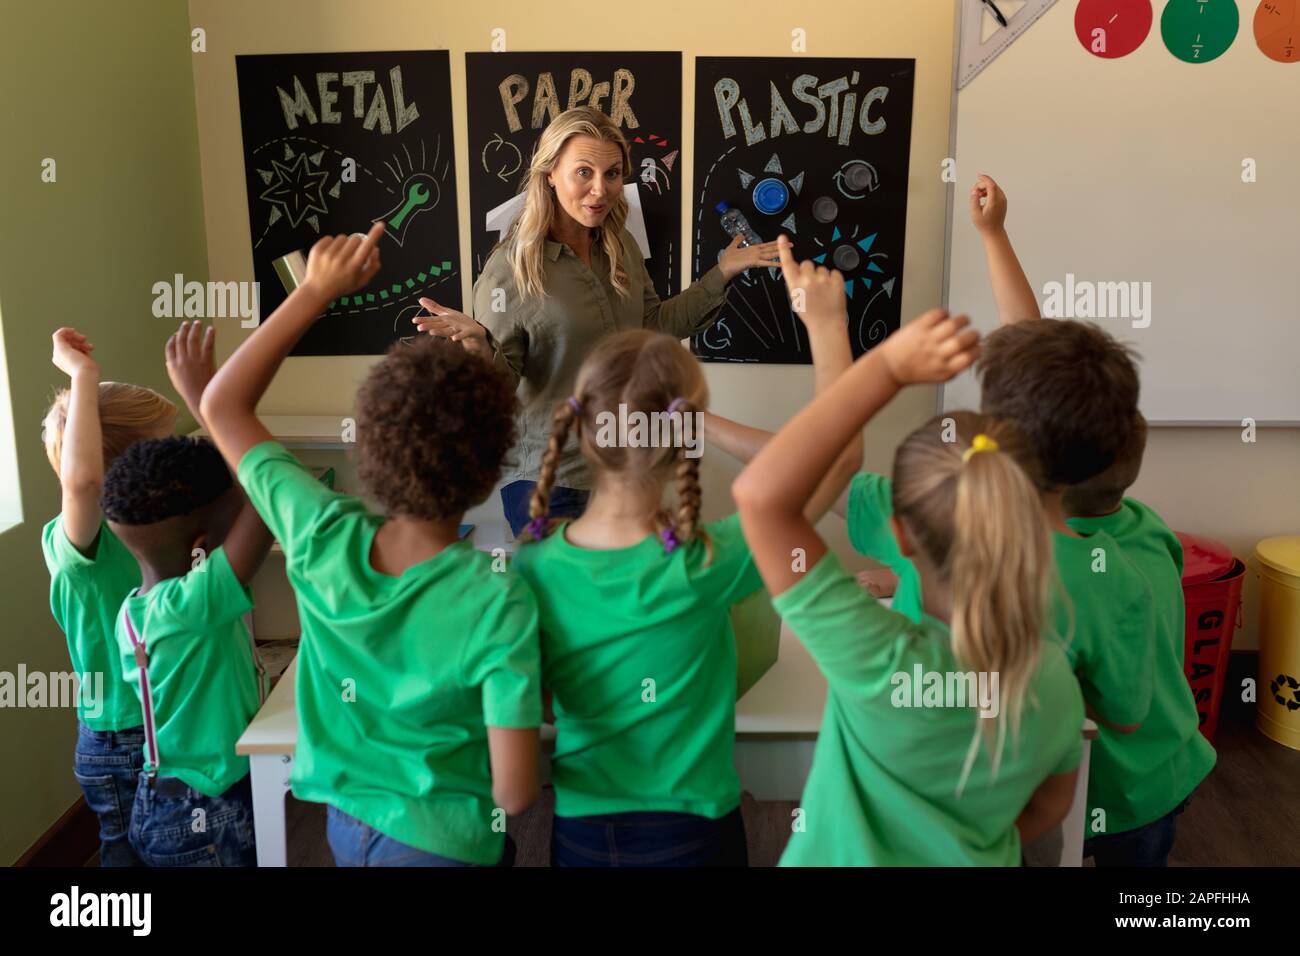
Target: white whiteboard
<point x="1131" y="170"/>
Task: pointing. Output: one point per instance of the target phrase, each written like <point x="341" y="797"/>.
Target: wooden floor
<point x="1245" y="813"/>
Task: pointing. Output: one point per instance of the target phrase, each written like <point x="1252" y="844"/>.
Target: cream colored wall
<point x="1201" y="480"/>
<point x="764" y="396"/>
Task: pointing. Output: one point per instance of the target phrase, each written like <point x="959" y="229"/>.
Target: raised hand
<point x="930" y="349"/>
<point x="736" y="259"/>
<point x="72" y="353"/>
<point x="190" y="361"/>
<point x="816" y="293"/>
<point x="988" y="205"/>
<point x="338" y="265"/>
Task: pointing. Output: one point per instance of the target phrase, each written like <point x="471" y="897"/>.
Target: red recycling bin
<point x="1212" y="580"/>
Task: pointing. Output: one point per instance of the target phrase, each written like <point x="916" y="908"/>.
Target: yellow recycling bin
<point x="1277" y="706"/>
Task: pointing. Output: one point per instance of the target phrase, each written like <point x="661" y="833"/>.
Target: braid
<point x="564" y="420"/>
<point x="686" y="527"/>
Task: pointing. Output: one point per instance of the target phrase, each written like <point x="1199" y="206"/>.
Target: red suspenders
<point x="146" y="695"/>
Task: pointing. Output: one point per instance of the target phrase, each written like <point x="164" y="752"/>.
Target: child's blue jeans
<point x="649" y="840"/>
<point x="175" y="825"/>
<point x="354" y="843"/>
<point x="106" y="765"/>
<point x="516" y="497"/>
<point x="1146" y="846"/>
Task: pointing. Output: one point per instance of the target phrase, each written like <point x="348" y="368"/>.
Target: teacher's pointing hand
<point x="736" y="258"/>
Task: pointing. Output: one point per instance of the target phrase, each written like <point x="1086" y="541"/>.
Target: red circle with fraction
<point x="1112" y="28"/>
<point x="1277" y="30"/>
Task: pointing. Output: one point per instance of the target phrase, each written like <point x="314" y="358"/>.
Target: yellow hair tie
<point x="979" y="443"/>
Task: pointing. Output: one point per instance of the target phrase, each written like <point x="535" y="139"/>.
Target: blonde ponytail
<point x="1000" y="567"/>
<point x="962" y="491"/>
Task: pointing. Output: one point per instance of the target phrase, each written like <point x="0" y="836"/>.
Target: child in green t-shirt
<point x="183" y="647"/>
<point x="637" y="645"/>
<point x="950" y="776"/>
<point x="91" y="572"/>
<point x="418" y="672"/>
<point x="1142" y="781"/>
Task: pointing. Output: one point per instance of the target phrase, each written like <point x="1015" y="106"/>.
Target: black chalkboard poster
<point x="513" y="96"/>
<point x="817" y="148"/>
<point x="334" y="142"/>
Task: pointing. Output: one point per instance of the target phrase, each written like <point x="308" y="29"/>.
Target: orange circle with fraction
<point x="1277" y="30"/>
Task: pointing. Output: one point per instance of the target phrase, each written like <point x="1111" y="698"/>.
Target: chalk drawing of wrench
<point x="421" y="193"/>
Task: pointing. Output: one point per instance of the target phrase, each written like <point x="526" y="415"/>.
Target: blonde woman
<point x="567" y="274"/>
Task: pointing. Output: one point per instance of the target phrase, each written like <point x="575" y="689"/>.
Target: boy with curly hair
<point x="418" y="674"/>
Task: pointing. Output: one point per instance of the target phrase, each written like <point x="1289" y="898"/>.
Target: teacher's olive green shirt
<point x="543" y="343"/>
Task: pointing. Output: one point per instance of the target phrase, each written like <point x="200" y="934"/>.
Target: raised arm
<point x="190" y="363"/>
<point x="1011" y="289"/>
<point x="81" y="465"/>
<point x="336" y="266"/>
<point x="774" y="490"/>
<point x="247" y="542"/>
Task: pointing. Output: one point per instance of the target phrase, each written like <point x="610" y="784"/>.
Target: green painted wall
<point x="106" y="90"/>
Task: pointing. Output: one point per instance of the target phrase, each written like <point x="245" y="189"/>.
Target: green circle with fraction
<point x="1198" y="31"/>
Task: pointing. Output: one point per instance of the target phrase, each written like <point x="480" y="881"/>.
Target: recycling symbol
<point x="1285" y="683"/>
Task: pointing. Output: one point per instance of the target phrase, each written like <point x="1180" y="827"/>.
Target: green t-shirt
<point x="870" y="508"/>
<point x="1108" y="614"/>
<point x="398" y="677"/>
<point x="1111" y="625"/>
<point x="85" y="595"/>
<point x="883" y="786"/>
<point x="638" y="651"/>
<point x="202" y="676"/>
<point x="1139" y="777"/>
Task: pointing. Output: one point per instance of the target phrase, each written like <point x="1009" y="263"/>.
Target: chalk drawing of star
<point x="296" y="189"/>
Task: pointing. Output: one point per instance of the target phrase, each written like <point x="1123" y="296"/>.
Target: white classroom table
<point x="777" y="723"/>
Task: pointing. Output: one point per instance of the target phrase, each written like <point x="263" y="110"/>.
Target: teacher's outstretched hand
<point x="736" y="258"/>
<point x="453" y="325"/>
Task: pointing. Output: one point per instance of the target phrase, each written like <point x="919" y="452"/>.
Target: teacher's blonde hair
<point x="526" y="241"/>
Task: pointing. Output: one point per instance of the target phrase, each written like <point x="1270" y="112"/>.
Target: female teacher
<point x="566" y="274"/>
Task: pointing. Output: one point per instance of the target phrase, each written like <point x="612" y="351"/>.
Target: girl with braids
<point x="637" y="647"/>
<point x="901" y="779"/>
<point x="567" y="274"/>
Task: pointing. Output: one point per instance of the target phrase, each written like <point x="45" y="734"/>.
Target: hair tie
<point x="675" y="404"/>
<point x="979" y="443"/>
<point x="574" y="404"/>
<point x="537" y="528"/>
<point x="669" y="537"/>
